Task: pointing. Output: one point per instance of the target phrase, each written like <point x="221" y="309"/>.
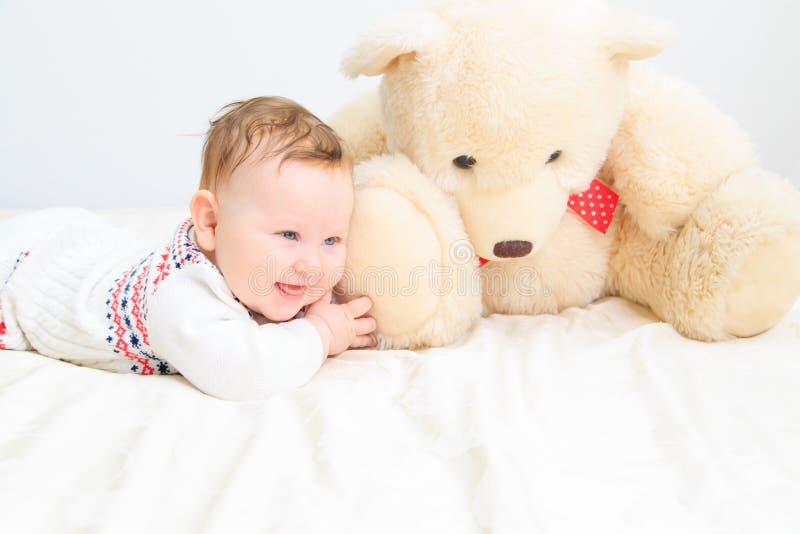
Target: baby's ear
<point x="627" y="36"/>
<point x="204" y="207"/>
<point x="408" y="33"/>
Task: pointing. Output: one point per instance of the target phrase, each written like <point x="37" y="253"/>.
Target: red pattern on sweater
<point x="121" y="332"/>
<point x="3" y="329"/>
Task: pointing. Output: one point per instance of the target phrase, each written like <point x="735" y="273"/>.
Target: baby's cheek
<point x="258" y="277"/>
<point x="336" y="270"/>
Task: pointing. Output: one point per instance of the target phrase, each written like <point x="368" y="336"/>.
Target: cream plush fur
<point x="701" y="235"/>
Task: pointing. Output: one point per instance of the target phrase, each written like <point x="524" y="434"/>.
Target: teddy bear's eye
<point x="464" y="162"/>
<point x="554" y="156"/>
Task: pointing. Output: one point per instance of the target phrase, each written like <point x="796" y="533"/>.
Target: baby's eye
<point x="290" y="235"/>
<point x="331" y="241"/>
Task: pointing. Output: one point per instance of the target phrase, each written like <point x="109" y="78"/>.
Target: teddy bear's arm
<point x="408" y="251"/>
<point x="358" y="122"/>
<point x="672" y="149"/>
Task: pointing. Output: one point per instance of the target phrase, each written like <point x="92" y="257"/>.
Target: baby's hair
<point x="277" y="126"/>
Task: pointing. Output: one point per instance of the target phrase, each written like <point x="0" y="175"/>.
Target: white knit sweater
<point x="86" y="295"/>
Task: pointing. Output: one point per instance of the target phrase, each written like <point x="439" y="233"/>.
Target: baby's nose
<point x="300" y="266"/>
<point x="307" y="262"/>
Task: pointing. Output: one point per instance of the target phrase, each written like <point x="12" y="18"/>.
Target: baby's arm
<point x="195" y="325"/>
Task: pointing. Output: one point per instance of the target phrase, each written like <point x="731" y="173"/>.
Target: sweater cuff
<point x="311" y="357"/>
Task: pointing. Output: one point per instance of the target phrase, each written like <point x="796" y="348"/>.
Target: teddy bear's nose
<point x="512" y="249"/>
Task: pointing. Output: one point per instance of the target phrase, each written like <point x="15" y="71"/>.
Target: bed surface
<point x="599" y="419"/>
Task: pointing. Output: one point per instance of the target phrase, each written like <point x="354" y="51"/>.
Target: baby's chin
<point x="282" y="318"/>
<point x="279" y="316"/>
<point x="282" y="313"/>
<point x="281" y="309"/>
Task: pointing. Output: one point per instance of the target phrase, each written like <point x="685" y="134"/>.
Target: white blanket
<point x="596" y="420"/>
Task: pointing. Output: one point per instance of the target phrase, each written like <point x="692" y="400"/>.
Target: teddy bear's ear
<point x="627" y="36"/>
<point x="407" y="33"/>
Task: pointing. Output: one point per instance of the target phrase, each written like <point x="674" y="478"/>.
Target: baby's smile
<point x="290" y="291"/>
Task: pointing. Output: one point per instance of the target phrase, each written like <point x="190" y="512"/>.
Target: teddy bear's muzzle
<point x="513" y="222"/>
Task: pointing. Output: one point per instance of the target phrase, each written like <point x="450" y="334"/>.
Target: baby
<point x="238" y="300"/>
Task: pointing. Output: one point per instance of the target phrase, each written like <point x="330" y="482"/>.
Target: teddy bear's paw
<point x="730" y="271"/>
<point x="759" y="209"/>
<point x="407" y="250"/>
<point x="765" y="287"/>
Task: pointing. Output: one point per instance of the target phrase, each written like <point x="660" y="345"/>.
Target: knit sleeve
<point x="194" y="323"/>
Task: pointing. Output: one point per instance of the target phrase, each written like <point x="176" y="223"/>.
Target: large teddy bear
<point x="491" y="157"/>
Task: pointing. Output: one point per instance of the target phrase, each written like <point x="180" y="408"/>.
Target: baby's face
<point x="281" y="236"/>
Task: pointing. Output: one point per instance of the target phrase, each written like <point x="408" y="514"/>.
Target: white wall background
<point x="103" y="104"/>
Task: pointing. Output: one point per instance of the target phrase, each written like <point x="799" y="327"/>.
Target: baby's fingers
<point x="361" y="342"/>
<point x="324" y="299"/>
<point x="359" y="306"/>
<point x="365" y="325"/>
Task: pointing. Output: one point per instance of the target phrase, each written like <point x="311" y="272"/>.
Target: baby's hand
<point x="341" y="325"/>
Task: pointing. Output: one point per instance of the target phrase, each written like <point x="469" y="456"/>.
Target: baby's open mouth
<point x="290" y="290"/>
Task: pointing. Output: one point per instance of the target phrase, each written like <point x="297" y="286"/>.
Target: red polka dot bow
<point x="596" y="205"/>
